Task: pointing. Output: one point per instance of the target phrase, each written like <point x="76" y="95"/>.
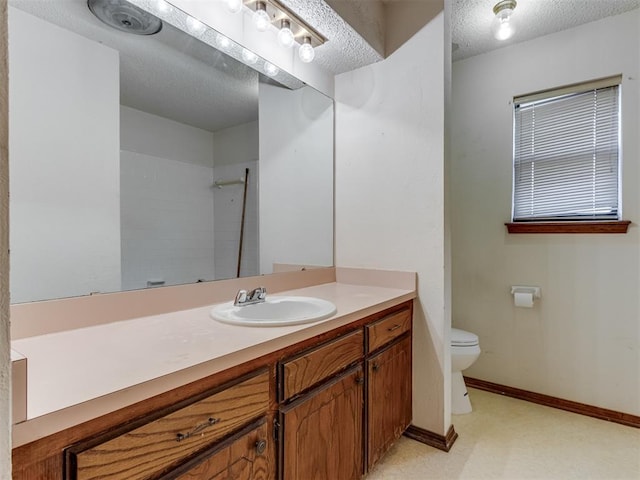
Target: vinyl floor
<point x="505" y="438"/>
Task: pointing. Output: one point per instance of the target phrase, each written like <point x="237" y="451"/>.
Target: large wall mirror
<point x="129" y="157"/>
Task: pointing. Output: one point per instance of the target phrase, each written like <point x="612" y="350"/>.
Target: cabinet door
<point x="248" y="455"/>
<point x="389" y="398"/>
<point x="322" y="432"/>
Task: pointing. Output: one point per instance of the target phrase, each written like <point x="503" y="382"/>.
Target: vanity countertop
<point x="78" y="374"/>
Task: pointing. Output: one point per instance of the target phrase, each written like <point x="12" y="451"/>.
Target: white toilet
<point x="465" y="349"/>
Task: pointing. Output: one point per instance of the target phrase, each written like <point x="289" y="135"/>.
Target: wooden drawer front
<point x="311" y="367"/>
<point x="388" y="328"/>
<point x="147" y="450"/>
<point x="247" y="455"/>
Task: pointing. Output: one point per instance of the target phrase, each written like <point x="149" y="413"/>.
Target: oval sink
<point x="275" y="311"/>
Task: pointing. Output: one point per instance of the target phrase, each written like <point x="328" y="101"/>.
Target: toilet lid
<point x="462" y="338"/>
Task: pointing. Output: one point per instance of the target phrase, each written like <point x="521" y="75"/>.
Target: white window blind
<point x="566" y="155"/>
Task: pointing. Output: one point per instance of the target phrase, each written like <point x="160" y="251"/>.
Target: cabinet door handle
<point x="395" y="327"/>
<point x="359" y="380"/>
<point x="183" y="436"/>
<point x="376" y="367"/>
<point x="261" y="446"/>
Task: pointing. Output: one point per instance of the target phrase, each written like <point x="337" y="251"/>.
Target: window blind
<point x="566" y="156"/>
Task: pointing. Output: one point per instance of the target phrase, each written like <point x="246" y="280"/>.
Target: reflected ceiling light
<point x="270" y="69"/>
<point x="162" y="6"/>
<point x="195" y="26"/>
<point x="223" y="42"/>
<point x="261" y="17"/>
<point x="502" y="25"/>
<point x="234" y="6"/>
<point x="249" y="57"/>
<point x="306" y="52"/>
<point x="285" y="35"/>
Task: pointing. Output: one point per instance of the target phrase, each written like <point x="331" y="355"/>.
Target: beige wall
<point x="5" y="377"/>
<point x="390" y="194"/>
<point x="581" y="341"/>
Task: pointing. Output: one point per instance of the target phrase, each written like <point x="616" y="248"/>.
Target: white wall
<point x="235" y="149"/>
<point x="167" y="199"/>
<point x="65" y="235"/>
<point x="390" y="194"/>
<point x="296" y="172"/>
<point x="582" y="340"/>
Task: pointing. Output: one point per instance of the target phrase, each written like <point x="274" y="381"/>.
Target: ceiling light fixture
<point x="261" y="18"/>
<point x="223" y="42"/>
<point x="234" y="6"/>
<point x="249" y="57"/>
<point x="502" y="25"/>
<point x="285" y="35"/>
<point x="270" y="69"/>
<point x="306" y="52"/>
<point x="195" y="26"/>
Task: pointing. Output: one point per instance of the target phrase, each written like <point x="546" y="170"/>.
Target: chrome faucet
<point x="244" y="298"/>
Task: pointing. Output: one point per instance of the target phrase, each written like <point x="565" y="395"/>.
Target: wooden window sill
<point x="619" y="226"/>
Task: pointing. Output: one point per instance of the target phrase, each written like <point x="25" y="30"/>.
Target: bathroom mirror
<point x="129" y="156"/>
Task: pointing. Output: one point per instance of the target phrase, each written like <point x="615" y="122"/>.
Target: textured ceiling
<point x="471" y="20"/>
<point x="170" y="74"/>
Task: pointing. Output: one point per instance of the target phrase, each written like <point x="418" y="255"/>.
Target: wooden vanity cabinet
<point x="388" y="398"/>
<point x="327" y="407"/>
<point x="248" y="455"/>
<point x="321" y="433"/>
<point x="155" y="444"/>
<point x="358" y="405"/>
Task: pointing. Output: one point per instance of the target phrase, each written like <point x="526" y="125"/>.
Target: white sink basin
<point x="275" y="311"/>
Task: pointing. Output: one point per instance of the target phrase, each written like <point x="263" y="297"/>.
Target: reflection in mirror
<point x="117" y="142"/>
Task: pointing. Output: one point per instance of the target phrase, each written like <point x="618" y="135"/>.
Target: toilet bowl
<point x="465" y="349"/>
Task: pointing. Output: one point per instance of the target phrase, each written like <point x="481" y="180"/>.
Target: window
<point x="566" y="154"/>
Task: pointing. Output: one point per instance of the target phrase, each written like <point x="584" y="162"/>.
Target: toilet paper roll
<point x="524" y="300"/>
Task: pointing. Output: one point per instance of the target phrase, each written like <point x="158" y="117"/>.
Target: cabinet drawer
<point x="388" y="328"/>
<point x="313" y="366"/>
<point x="157" y="444"/>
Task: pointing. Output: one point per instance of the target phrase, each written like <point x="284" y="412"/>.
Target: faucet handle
<point x="241" y="297"/>
<point x="258" y="293"/>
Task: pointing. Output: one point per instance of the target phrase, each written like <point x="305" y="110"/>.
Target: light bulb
<point x="306" y="52"/>
<point x="270" y="69"/>
<point x="285" y="35"/>
<point x="234" y="6"/>
<point x="223" y="42"/>
<point x="195" y="26"/>
<point x="162" y="6"/>
<point x="261" y="17"/>
<point x="249" y="57"/>
<point x="502" y="26"/>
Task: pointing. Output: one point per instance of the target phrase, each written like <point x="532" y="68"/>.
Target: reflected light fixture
<point x="234" y="6"/>
<point x="163" y="6"/>
<point x="270" y="69"/>
<point x="223" y="42"/>
<point x="502" y="25"/>
<point x="249" y="57"/>
<point x="306" y="52"/>
<point x="261" y="17"/>
<point x="195" y="26"/>
<point x="285" y="35"/>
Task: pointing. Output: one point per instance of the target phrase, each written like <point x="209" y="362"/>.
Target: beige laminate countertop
<point x="79" y="374"/>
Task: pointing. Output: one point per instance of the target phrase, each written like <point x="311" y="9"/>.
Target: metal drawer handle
<point x="183" y="436"/>
<point x="376" y="367"/>
<point x="395" y="327"/>
<point x="261" y="446"/>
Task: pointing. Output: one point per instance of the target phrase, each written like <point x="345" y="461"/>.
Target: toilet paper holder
<point x="535" y="291"/>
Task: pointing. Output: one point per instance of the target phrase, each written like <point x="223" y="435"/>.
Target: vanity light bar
<point x="278" y="12"/>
